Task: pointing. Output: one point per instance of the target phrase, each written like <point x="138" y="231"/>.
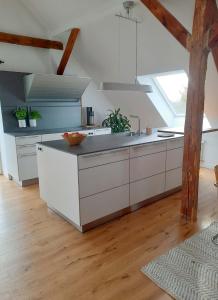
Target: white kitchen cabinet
<point x="175" y="143"/>
<point x="21" y="153"/>
<point x="173" y="179"/>
<point x="52" y="137"/>
<point x="174" y="159"/>
<point x="102" y="158"/>
<point x="147" y="188"/>
<point x="147" y="166"/>
<point x="100" y="205"/>
<point x="151" y="148"/>
<point x="27" y="166"/>
<point x="101" y="178"/>
<point x="28" y="140"/>
<point x="102" y="131"/>
<point x="59" y="182"/>
<point x="88" y="189"/>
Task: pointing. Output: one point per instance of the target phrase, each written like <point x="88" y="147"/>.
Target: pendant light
<point x="118" y="86"/>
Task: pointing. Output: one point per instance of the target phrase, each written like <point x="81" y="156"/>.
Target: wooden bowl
<point x="74" y="140"/>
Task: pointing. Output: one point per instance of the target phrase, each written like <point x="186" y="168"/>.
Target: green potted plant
<point x="33" y="117"/>
<point x="21" y="115"/>
<point x="117" y="122"/>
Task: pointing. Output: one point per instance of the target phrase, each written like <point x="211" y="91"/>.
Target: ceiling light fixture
<point x="118" y="86"/>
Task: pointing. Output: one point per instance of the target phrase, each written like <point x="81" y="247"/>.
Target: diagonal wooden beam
<point x="24" y="40"/>
<point x="68" y="50"/>
<point x="203" y="20"/>
<point x="175" y="27"/>
<point x="169" y="22"/>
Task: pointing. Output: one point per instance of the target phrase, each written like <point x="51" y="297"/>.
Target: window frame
<point x="163" y="93"/>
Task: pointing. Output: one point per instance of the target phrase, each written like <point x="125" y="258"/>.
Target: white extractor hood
<point x="50" y="87"/>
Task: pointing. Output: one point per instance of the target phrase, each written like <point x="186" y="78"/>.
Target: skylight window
<point x="173" y="87"/>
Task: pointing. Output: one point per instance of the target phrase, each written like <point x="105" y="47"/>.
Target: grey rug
<point x="189" y="271"/>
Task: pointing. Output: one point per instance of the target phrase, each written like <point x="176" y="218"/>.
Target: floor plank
<point x="44" y="257"/>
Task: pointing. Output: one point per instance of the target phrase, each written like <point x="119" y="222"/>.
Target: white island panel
<point x="58" y="182"/>
<point x="98" y="179"/>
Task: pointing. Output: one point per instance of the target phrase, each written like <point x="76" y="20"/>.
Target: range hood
<point x="54" y="88"/>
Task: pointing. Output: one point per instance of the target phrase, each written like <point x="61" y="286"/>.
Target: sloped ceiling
<point x="57" y="16"/>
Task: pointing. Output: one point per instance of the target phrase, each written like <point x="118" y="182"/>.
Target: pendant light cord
<point x="136" y="68"/>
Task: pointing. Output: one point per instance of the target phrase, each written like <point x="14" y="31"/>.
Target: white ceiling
<point x="57" y="16"/>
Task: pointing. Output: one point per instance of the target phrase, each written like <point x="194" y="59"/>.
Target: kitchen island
<point x="108" y="176"/>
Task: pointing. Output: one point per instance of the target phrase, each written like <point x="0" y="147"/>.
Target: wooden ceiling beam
<point x="179" y="32"/>
<point x="68" y="50"/>
<point x="30" y="41"/>
<point x="203" y="21"/>
<point x="169" y="22"/>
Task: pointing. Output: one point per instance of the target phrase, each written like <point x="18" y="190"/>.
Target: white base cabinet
<point x="21" y="153"/>
<point x="147" y="188"/>
<point x="87" y="188"/>
<point x="103" y="204"/>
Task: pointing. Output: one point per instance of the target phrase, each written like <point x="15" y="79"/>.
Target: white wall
<point x="14" y="18"/>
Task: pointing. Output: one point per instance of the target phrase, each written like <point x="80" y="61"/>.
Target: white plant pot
<point x="22" y="123"/>
<point x="32" y="123"/>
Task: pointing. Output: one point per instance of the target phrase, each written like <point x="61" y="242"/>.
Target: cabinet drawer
<point x="52" y="137"/>
<point x="173" y="179"/>
<point x="98" y="179"/>
<point x="26" y="149"/>
<point x="102" y="131"/>
<point x="147" y="149"/>
<point x="101" y="158"/>
<point x="147" y="188"/>
<point x="175" y="143"/>
<point x="27" y="166"/>
<point x="174" y="159"/>
<point x="147" y="166"/>
<point x="103" y="204"/>
<point x="28" y="140"/>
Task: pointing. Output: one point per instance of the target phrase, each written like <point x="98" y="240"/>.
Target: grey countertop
<point x="106" y="142"/>
<point x="23" y="132"/>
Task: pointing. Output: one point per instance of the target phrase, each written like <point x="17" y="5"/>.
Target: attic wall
<point x="14" y="18"/>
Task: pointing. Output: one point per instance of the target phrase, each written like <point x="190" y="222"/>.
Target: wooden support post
<point x="68" y="50"/>
<point x="195" y="107"/>
<point x="213" y="42"/>
<point x="29" y="41"/>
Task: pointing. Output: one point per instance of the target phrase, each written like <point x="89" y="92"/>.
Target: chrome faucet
<point x="139" y="123"/>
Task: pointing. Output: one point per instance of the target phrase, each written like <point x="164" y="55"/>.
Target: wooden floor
<point x="44" y="257"/>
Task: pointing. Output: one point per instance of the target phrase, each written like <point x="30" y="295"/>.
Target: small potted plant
<point x="33" y="117"/>
<point x="117" y="122"/>
<point x="21" y="115"/>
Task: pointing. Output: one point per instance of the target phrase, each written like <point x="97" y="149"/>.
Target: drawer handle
<point x="25" y="146"/>
<point x="147" y="145"/>
<point x="26" y="155"/>
<point x="104" y="153"/>
<point x="28" y="137"/>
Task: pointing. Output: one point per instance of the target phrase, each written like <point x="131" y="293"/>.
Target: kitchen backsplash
<point x="54" y="114"/>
